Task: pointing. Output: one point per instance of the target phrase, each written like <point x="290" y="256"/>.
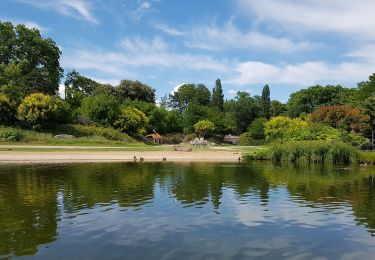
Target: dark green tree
<point x="218" y="96"/>
<point x="277" y="108"/>
<point x="77" y="87"/>
<point x="29" y="63"/>
<point x="365" y="89"/>
<point x="190" y="93"/>
<point x="134" y="89"/>
<point x="244" y="109"/>
<point x="265" y="102"/>
<point x="307" y="100"/>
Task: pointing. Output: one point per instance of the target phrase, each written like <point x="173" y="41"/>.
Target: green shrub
<point x="312" y="151"/>
<point x="7" y="110"/>
<point x="256" y="129"/>
<point x="102" y="109"/>
<point x="189" y="137"/>
<point x="132" y="121"/>
<point x="174" y="138"/>
<point x="11" y="134"/>
<point x="246" y="139"/>
<point x="39" y="110"/>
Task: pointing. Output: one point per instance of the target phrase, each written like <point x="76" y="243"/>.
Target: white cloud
<point x="136" y="53"/>
<point x="176" y="88"/>
<point x="338" y="16"/>
<point x="137" y="45"/>
<point x="214" y="38"/>
<point x="143" y="7"/>
<point x="28" y="24"/>
<point x="74" y="8"/>
<point x="301" y="74"/>
<point x="169" y="30"/>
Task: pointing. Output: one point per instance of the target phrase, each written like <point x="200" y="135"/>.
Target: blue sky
<point x="246" y="43"/>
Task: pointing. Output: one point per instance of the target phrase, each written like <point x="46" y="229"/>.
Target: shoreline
<point x="19" y="157"/>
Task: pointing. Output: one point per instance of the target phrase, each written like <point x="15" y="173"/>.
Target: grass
<point x="308" y="151"/>
<point x="85" y="136"/>
<point x="367" y="157"/>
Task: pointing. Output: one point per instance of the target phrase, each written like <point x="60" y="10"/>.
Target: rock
<point x="64" y="136"/>
<point x="182" y="149"/>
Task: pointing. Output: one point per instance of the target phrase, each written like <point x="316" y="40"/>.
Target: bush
<point x="189" y="137"/>
<point x="174" y="138"/>
<point x="313" y="151"/>
<point x="7" y="110"/>
<point x="39" y="110"/>
<point x="132" y="121"/>
<point x="10" y="134"/>
<point x="343" y="117"/>
<point x="102" y="109"/>
<point x="256" y="129"/>
<point x="281" y="127"/>
<point x="246" y="139"/>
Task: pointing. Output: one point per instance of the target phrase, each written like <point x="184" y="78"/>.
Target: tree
<point x="307" y="100"/>
<point x="265" y="102"/>
<point x="256" y="129"/>
<point x="277" y="108"/>
<point x="131" y="121"/>
<point x="28" y="62"/>
<point x="134" y="89"/>
<point x="365" y="89"/>
<point x="343" y="117"/>
<point x="190" y="93"/>
<point x="218" y="96"/>
<point x="281" y="127"/>
<point x="203" y="127"/>
<point x="102" y="109"/>
<point x="244" y="110"/>
<point x="39" y="110"/>
<point x="369" y="106"/>
<point x="7" y="111"/>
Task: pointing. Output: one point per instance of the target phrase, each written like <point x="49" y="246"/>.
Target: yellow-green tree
<point x="39" y="110"/>
<point x="6" y="109"/>
<point x="281" y="127"/>
<point x="131" y="121"/>
<point x="203" y="127"/>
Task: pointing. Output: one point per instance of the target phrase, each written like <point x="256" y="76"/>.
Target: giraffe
<point x="156" y="137"/>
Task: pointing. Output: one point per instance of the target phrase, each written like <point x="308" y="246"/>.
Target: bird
<point x="141" y="159"/>
<point x="164" y="158"/>
<point x="134" y="158"/>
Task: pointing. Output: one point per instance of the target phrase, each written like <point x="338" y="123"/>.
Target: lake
<point x="186" y="211"/>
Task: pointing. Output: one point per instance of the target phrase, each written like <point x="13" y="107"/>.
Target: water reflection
<point x="189" y="210"/>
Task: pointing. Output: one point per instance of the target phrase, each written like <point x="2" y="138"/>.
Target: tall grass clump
<point x="313" y="151"/>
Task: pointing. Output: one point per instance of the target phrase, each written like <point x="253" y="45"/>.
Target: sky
<point x="287" y="44"/>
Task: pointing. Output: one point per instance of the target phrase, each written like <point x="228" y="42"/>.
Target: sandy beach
<point x="115" y="156"/>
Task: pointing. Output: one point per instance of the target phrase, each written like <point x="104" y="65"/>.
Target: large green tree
<point x="29" y="63"/>
<point x="244" y="109"/>
<point x="134" y="89"/>
<point x="218" y="96"/>
<point x="265" y="102"/>
<point x="365" y="89"/>
<point x="307" y="100"/>
<point x="77" y="87"/>
<point x="190" y="93"/>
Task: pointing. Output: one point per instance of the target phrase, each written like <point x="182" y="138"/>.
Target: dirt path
<point x="115" y="156"/>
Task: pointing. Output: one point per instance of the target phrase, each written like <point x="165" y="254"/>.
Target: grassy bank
<point x="367" y="157"/>
<point x="308" y="151"/>
<point x="84" y="135"/>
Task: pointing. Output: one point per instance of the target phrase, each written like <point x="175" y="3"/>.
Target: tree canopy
<point x="29" y="63"/>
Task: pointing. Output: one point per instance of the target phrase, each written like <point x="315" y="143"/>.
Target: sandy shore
<point x="116" y="156"/>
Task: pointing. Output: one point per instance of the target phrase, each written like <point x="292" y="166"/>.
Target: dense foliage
<point x="39" y="110"/>
<point x="28" y="62"/>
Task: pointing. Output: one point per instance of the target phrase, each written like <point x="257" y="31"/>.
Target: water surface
<point x="186" y="211"/>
